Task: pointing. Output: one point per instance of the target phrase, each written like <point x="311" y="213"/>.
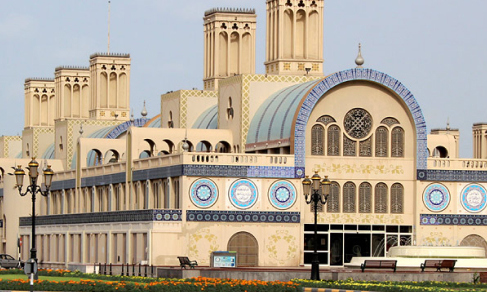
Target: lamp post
<point x="33" y="189"/>
<point x="315" y="184"/>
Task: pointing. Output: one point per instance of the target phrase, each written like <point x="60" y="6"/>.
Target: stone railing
<point x="65" y="175"/>
<point x="215" y="159"/>
<point x="457" y="164"/>
<point x="104" y="169"/>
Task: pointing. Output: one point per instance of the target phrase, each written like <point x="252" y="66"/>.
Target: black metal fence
<point x="126" y="270"/>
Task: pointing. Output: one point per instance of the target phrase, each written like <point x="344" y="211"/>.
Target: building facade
<point x="222" y="168"/>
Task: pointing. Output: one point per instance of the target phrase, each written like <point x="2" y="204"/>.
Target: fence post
<point x="139" y="271"/>
<point x="145" y="271"/>
<point x="133" y="269"/>
<point x="122" y="270"/>
<point x="110" y="269"/>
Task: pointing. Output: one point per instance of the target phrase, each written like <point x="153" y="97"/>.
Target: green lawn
<point x="24" y="277"/>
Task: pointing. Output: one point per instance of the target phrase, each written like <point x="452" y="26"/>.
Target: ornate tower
<point x="73" y="92"/>
<point x="229" y="44"/>
<point x="479" y="140"/>
<point x="110" y="86"/>
<point x="294" y="42"/>
<point x="40" y="102"/>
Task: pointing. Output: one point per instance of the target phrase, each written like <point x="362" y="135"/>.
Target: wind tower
<point x="110" y="86"/>
<point x="229" y="44"/>
<point x="294" y="41"/>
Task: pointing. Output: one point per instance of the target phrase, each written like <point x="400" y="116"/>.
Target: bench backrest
<point x="432" y="262"/>
<point x="448" y="263"/>
<point x="183" y="260"/>
<point x="376" y="263"/>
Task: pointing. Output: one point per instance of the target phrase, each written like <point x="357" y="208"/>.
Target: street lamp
<point x="33" y="189"/>
<point x="315" y="185"/>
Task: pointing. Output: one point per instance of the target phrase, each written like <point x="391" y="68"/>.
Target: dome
<point x="274" y="118"/>
<point x="208" y="119"/>
<point x="49" y="153"/>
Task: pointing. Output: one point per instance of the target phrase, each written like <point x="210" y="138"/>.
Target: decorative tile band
<point x="452" y="175"/>
<point x="349" y="75"/>
<point x="243" y="216"/>
<point x="453" y="219"/>
<point x="105" y="217"/>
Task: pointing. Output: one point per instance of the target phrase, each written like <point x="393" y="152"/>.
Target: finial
<point x="132" y="119"/>
<point x="448" y="123"/>
<point x="81" y="130"/>
<point x="186" y="144"/>
<point x="359" y="60"/>
<point x="144" y="111"/>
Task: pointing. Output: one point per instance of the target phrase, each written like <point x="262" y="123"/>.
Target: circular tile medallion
<point x="243" y="193"/>
<point x="203" y="193"/>
<point x="436" y="197"/>
<point x="474" y="198"/>
<point x="282" y="194"/>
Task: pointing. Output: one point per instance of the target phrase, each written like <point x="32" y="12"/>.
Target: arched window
<point x="397" y="198"/>
<point x="380" y="198"/>
<point x="381" y="141"/>
<point x="397" y="143"/>
<point x="317" y="147"/>
<point x="365" y="198"/>
<point x="349" y="197"/>
<point x="334" y="198"/>
<point x="333" y="141"/>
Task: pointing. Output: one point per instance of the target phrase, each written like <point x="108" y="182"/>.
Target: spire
<point x="108" y="48"/>
<point x="144" y="111"/>
<point x="359" y="60"/>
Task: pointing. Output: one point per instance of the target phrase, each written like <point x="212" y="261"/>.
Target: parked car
<point x="8" y="262"/>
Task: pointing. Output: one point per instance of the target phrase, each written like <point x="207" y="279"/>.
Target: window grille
<point x="397" y="198"/>
<point x="381" y="138"/>
<point x="397" y="147"/>
<point x="365" y="198"/>
<point x="349" y="197"/>
<point x="381" y="198"/>
<point x="333" y="204"/>
<point x="365" y="147"/>
<point x="317" y="147"/>
<point x="333" y="141"/>
<point x="349" y="147"/>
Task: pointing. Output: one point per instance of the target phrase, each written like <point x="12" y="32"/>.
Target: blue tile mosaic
<point x="358" y="74"/>
<point x="452" y="175"/>
<point x="105" y="217"/>
<point x="453" y="219"/>
<point x="242" y="216"/>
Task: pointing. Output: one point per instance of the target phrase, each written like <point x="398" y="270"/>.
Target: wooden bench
<point x="439" y="264"/>
<point x="379" y="264"/>
<point x="184" y="261"/>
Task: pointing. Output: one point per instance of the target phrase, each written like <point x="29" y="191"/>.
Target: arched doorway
<point x="246" y="247"/>
<point x="474" y="240"/>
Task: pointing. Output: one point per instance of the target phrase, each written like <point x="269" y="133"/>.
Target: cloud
<point x="14" y="25"/>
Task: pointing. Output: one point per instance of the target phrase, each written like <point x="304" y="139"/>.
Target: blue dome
<point x="155" y="122"/>
<point x="49" y="153"/>
<point x="101" y="133"/>
<point x="208" y="119"/>
<point x="274" y="118"/>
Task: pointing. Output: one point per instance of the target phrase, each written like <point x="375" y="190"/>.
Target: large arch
<point x="298" y="133"/>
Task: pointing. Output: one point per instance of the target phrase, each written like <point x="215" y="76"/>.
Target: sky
<point x="436" y="48"/>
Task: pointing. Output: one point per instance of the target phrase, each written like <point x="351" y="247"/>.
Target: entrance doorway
<point x="246" y="247"/>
